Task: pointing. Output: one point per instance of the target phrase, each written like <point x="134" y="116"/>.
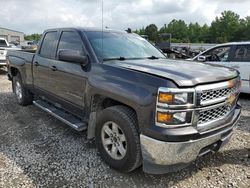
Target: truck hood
<point x="183" y="73"/>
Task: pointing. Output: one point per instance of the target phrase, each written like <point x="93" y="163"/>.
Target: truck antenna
<point x="102" y="30"/>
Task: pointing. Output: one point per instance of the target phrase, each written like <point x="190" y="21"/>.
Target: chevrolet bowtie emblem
<point x="231" y="99"/>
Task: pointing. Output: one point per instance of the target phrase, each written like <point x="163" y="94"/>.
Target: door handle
<point x="36" y="64"/>
<point x="53" y="68"/>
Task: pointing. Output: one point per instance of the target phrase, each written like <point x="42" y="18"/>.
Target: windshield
<point x="3" y="43"/>
<point x="121" y="46"/>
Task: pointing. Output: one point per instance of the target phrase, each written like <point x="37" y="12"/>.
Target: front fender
<point x="19" y="64"/>
<point x="132" y="88"/>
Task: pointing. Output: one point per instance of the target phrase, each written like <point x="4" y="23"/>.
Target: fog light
<point x="173" y="118"/>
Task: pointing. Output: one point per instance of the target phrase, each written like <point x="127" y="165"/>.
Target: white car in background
<point x="235" y="55"/>
<point x="4" y="46"/>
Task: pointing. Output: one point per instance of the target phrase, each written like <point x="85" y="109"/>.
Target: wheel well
<point x="14" y="71"/>
<point x="100" y="102"/>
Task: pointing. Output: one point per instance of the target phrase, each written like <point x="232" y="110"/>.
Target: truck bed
<point x="25" y="55"/>
<point x="22" y="60"/>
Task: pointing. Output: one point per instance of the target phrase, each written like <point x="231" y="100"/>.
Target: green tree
<point x="178" y="29"/>
<point x="194" y="32"/>
<point x="225" y="27"/>
<point x="243" y="32"/>
<point x="164" y="29"/>
<point x="152" y="31"/>
<point x="34" y="36"/>
<point x="205" y="35"/>
<point x="246" y="27"/>
<point x="140" y="31"/>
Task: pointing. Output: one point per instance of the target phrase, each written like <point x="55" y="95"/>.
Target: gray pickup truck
<point x="141" y="108"/>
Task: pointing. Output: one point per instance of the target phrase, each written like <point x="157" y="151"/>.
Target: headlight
<point x="172" y="107"/>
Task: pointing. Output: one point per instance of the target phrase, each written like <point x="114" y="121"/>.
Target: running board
<point x="71" y="120"/>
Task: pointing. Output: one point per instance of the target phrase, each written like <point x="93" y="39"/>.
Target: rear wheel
<point x="24" y="97"/>
<point x="117" y="138"/>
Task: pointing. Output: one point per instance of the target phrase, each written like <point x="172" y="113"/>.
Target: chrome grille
<point x="215" y="94"/>
<point x="213" y="114"/>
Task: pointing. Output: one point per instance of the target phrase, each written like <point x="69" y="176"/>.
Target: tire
<point x="24" y="97"/>
<point x="125" y="119"/>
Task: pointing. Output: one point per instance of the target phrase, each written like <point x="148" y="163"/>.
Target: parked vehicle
<point x="29" y="45"/>
<point x="174" y="52"/>
<point x="141" y="108"/>
<point x="235" y="55"/>
<point x="3" y="46"/>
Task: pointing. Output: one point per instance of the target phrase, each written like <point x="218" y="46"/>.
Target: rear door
<point x="42" y="62"/>
<point x="241" y="62"/>
<point x="69" y="78"/>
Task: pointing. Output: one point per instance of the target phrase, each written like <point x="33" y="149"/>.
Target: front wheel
<point x="23" y="96"/>
<point x="117" y="138"/>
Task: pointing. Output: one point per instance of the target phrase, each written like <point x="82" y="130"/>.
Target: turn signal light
<point x="231" y="83"/>
<point x="166" y="97"/>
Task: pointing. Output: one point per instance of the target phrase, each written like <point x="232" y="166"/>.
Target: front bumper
<point x="161" y="157"/>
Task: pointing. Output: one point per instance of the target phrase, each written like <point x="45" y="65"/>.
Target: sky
<point x="34" y="16"/>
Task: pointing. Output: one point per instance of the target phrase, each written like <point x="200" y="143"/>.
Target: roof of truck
<point x="87" y="29"/>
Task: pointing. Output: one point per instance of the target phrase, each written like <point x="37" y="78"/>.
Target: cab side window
<point x="242" y="53"/>
<point x="70" y="41"/>
<point x="218" y="54"/>
<point x="48" y="44"/>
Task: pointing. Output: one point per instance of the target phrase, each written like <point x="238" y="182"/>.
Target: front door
<point x="69" y="78"/>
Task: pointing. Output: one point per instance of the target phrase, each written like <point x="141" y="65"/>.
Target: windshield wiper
<point x="153" y="57"/>
<point x="114" y="58"/>
<point x="121" y="58"/>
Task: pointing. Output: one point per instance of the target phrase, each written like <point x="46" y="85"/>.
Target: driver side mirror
<point x="201" y="58"/>
<point x="72" y="56"/>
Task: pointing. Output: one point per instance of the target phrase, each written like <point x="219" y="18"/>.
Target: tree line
<point x="32" y="37"/>
<point x="227" y="27"/>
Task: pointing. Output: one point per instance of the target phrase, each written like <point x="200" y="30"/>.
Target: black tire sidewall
<point x="27" y="97"/>
<point x="16" y="79"/>
<point x="125" y="163"/>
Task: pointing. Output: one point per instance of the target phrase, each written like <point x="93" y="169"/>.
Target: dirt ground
<point x="37" y="150"/>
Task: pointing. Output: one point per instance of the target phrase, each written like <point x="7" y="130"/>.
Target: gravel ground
<point x="37" y="150"/>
